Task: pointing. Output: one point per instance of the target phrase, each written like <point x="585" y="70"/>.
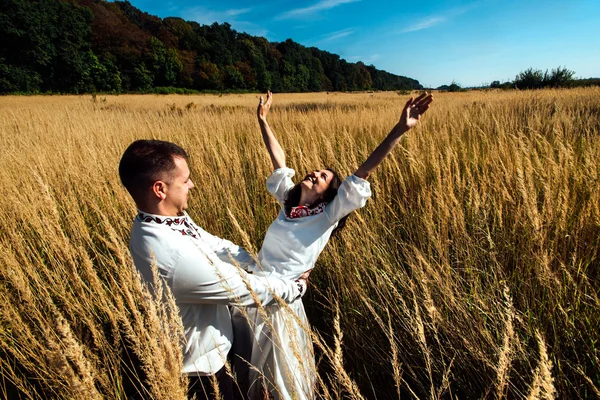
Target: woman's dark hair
<point x="293" y="197"/>
<point x="144" y="162"/>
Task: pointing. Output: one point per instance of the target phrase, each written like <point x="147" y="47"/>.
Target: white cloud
<point x="438" y="19"/>
<point x="371" y="59"/>
<point x="366" y="60"/>
<point x="171" y="6"/>
<point x="424" y="24"/>
<point x="307" y="11"/>
<point x="329" y="37"/>
<point x="206" y="16"/>
<point x="250" y="28"/>
<point x="238" y="11"/>
<point x="336" y="35"/>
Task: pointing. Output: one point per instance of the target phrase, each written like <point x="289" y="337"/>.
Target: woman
<point x="282" y="357"/>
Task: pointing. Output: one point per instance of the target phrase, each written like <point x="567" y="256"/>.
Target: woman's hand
<point x="411" y="113"/>
<point x="264" y="107"/>
<point x="413" y="110"/>
<point x="273" y="147"/>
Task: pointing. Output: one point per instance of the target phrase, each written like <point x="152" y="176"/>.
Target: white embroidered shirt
<point x="196" y="266"/>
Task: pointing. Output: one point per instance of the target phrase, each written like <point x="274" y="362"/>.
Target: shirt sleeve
<point x="280" y="183"/>
<point x="352" y="194"/>
<point x="197" y="280"/>
<point x="225" y="250"/>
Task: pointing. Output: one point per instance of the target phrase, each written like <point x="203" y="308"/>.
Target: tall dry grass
<point x="471" y="273"/>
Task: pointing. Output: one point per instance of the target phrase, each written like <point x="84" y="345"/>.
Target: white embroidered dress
<point x="282" y="351"/>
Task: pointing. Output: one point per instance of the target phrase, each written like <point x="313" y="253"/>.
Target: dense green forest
<point x="83" y="46"/>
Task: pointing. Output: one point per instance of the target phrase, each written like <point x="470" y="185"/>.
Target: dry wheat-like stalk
<point x="493" y="190"/>
<point x="543" y="382"/>
<point x="506" y="350"/>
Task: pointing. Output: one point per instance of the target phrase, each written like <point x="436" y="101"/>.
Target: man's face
<point x="178" y="184"/>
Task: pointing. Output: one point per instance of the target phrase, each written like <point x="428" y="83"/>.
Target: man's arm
<point x="197" y="280"/>
<point x="226" y="250"/>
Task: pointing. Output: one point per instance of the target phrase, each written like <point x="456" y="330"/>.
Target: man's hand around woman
<point x="303" y="281"/>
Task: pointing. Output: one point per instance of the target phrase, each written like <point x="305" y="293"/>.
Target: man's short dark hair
<point x="146" y="161"/>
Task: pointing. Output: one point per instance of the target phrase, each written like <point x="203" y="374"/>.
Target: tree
<point x="530" y="79"/>
<point x="560" y="77"/>
<point x="536" y="79"/>
<point x="233" y="78"/>
<point x="164" y="64"/>
<point x="105" y="76"/>
<point x="142" y="78"/>
<point x="116" y="37"/>
<point x="453" y="87"/>
<point x="210" y="77"/>
<point x="18" y="79"/>
<point x="363" y="79"/>
<point x="48" y="40"/>
<point x="76" y="46"/>
<point x="317" y="80"/>
<point x="247" y="74"/>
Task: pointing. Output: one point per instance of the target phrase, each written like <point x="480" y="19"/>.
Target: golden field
<point x="473" y="272"/>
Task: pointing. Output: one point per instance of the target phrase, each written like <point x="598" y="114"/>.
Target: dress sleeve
<point x="280" y="183"/>
<point x="352" y="194"/>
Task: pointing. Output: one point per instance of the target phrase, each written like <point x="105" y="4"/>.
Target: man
<point x="194" y="263"/>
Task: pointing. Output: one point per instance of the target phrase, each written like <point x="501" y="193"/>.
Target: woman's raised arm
<point x="275" y="150"/>
<point x="413" y="109"/>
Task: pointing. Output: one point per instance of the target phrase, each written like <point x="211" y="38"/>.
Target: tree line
<point x="560" y="77"/>
<point x="84" y="46"/>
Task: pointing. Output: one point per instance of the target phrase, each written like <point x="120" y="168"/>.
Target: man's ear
<point x="159" y="189"/>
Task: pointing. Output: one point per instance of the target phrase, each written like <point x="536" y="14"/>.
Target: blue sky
<point x="435" y="41"/>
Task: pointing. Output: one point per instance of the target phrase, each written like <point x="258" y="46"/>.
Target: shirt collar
<point x="162" y="219"/>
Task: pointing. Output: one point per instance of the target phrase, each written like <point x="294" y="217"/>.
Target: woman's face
<point x="314" y="185"/>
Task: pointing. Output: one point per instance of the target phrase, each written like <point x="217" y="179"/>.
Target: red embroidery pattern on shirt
<point x="303" y="211"/>
<point x="166" y="220"/>
<point x="189" y="229"/>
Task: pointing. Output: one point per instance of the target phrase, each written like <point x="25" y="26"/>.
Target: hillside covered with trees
<point x="83" y="46"/>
